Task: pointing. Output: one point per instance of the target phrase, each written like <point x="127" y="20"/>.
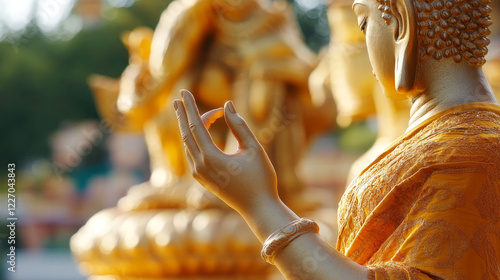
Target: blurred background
<point x="69" y="164"/>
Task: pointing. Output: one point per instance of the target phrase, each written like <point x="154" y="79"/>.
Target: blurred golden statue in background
<point x="247" y="51"/>
<point x="345" y="70"/>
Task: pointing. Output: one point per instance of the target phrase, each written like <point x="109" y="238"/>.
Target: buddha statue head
<point x="414" y="33"/>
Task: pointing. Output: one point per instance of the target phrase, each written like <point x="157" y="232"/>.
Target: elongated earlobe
<point x="406" y="46"/>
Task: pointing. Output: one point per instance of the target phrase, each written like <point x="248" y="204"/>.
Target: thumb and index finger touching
<point x="235" y="122"/>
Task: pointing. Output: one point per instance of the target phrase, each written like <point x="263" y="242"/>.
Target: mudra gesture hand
<point x="243" y="179"/>
<point x="246" y="181"/>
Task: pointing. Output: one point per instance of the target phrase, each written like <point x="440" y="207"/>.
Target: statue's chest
<point x="368" y="190"/>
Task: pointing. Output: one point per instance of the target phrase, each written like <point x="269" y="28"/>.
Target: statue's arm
<point x="246" y="181"/>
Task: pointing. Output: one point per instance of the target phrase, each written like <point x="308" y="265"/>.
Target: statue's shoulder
<point x="470" y="133"/>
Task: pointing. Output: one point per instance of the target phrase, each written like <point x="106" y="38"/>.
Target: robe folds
<point x="429" y="206"/>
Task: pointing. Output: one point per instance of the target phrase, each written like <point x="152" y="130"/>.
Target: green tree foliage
<point x="314" y="25"/>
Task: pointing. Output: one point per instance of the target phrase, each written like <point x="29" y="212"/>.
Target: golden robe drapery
<point x="429" y="206"/>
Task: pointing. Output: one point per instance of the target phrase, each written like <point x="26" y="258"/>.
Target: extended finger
<point x="211" y="116"/>
<point x="196" y="126"/>
<point x="243" y="134"/>
<point x="189" y="158"/>
<point x="187" y="137"/>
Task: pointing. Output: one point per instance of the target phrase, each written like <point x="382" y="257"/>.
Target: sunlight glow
<point x="16" y="15"/>
<point x="309" y="4"/>
<point x="51" y="13"/>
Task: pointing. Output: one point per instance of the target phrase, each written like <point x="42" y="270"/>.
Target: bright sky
<point x="309" y="4"/>
<point x="15" y="15"/>
<point x="52" y="16"/>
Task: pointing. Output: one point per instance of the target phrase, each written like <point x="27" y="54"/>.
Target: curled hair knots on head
<point x="455" y="29"/>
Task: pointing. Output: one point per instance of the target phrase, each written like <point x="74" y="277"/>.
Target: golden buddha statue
<point x="170" y="226"/>
<point x="357" y="93"/>
<point x="427" y="206"/>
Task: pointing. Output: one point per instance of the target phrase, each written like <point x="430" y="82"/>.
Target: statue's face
<point x="380" y="44"/>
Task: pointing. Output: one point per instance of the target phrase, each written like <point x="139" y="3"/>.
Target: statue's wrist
<point x="267" y="216"/>
<point x="259" y="205"/>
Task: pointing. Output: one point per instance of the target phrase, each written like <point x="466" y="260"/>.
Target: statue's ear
<point x="406" y="45"/>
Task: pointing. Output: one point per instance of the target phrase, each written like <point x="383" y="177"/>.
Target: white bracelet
<point x="284" y="236"/>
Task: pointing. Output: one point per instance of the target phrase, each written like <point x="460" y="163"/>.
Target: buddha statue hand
<point x="244" y="179"/>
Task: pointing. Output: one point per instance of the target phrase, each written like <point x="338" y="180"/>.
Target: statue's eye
<point x="362" y="26"/>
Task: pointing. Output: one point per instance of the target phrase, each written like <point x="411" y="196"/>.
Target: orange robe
<point x="429" y="206"/>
